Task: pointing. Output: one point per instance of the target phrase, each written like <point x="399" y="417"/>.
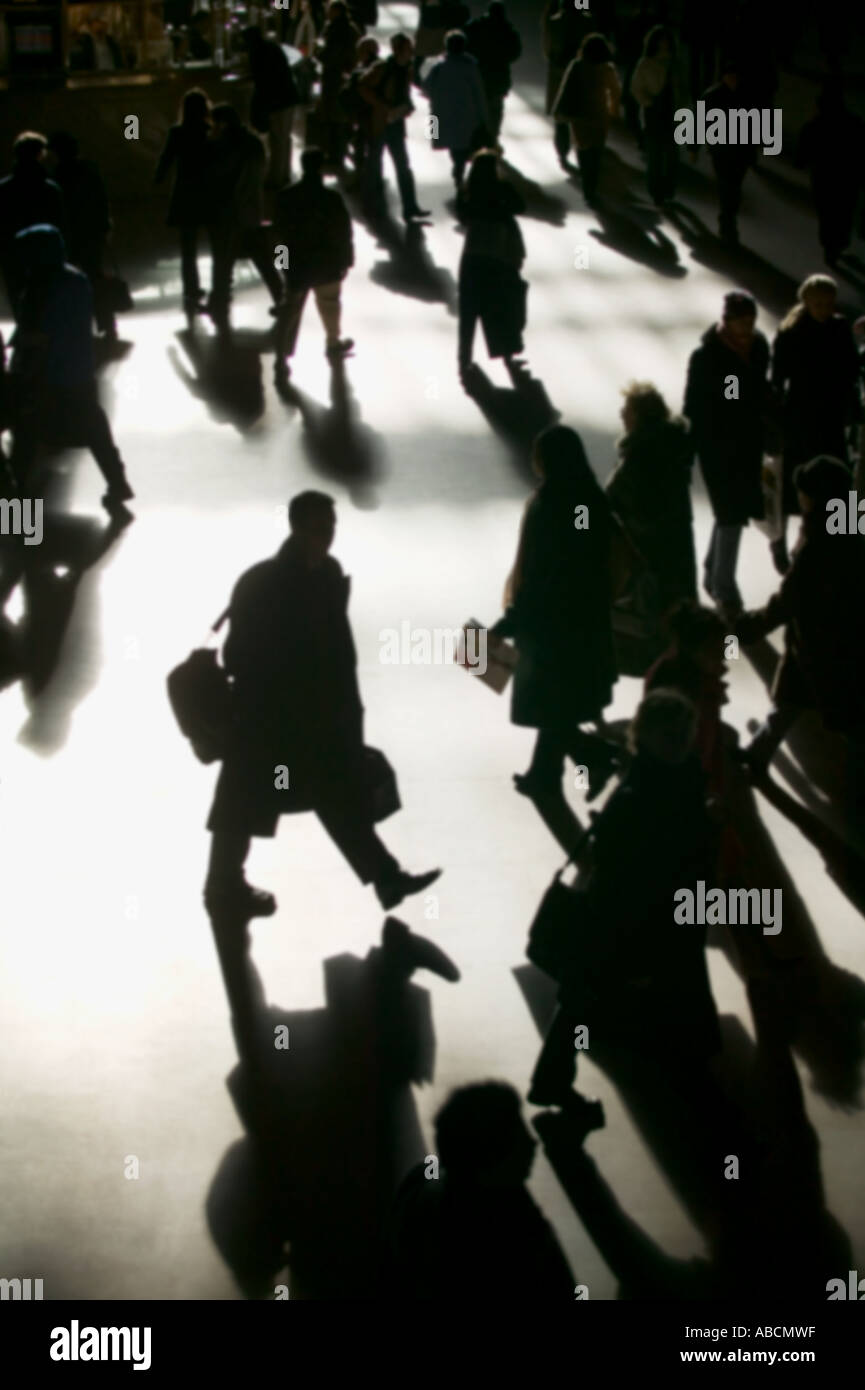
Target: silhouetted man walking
<point x="298" y="719"/>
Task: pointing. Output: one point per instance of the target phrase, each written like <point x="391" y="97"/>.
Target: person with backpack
<point x="385" y="87"/>
<point x="314" y="223"/>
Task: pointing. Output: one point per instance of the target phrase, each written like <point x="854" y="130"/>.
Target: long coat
<point x="588" y="98"/>
<point x="296" y="701"/>
<point x="560" y="616"/>
<point x="650" y="494"/>
<point x="815" y="368"/>
<point x="457" y="99"/>
<point x="649" y="972"/>
<point x="730" y="436"/>
<point x="822" y="605"/>
<point x="188" y="151"/>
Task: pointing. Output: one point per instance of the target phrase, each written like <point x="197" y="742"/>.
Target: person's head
<point x="560" y="461"/>
<point x="40" y="250"/>
<point x="595" y="49"/>
<point x="402" y="48"/>
<point x="698" y="634"/>
<point x="195" y="107"/>
<point x="819" y="295"/>
<point x="481" y="1137"/>
<point x="312" y="523"/>
<point x="658" y="42"/>
<point x="337" y="9"/>
<point x="312" y="163"/>
<point x="455" y="42"/>
<point x="820" y="481"/>
<point x="226" y="121"/>
<point x="483" y="176"/>
<point x="664" y="727"/>
<point x="643" y="406"/>
<point x="367" y="50"/>
<point x="252" y="37"/>
<point x="29" y="150"/>
<point x="739" y="316"/>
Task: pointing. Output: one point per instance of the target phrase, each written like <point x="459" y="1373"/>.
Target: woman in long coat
<point x="589" y="99"/>
<point x="558" y="612"/>
<point x="187" y="151"/>
<point x="650" y="492"/>
<point x="815" y="368"/>
<point x="563" y="30"/>
<point x="490" y="285"/>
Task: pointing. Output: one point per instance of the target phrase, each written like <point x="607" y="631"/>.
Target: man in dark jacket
<point x="52" y="370"/>
<point x="274" y="97"/>
<point x="296" y="741"/>
<point x="88" y="219"/>
<point x="27" y="197"/>
<point x="313" y="222"/>
<point x="385" y="87"/>
<point x="822" y="604"/>
<point x="727" y="401"/>
<point x="494" y="42"/>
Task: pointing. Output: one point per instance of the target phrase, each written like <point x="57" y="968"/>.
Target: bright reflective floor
<point x="116" y="1034"/>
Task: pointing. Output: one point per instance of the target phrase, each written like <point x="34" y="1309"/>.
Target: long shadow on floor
<point x="410" y="269"/>
<point x="517" y="414"/>
<point x="337" y="442"/>
<point x="55" y="621"/>
<point x="768" y="1218"/>
<point x="331" y="1130"/>
<point x="741" y="266"/>
<point x="225" y="373"/>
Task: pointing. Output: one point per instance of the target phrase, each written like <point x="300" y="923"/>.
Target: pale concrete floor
<point x="116" y="1037"/>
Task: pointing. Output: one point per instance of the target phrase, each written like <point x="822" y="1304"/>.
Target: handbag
<point x="199" y="692"/>
<point x="561" y="922"/>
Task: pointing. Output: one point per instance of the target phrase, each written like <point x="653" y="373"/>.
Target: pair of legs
<point x="459" y="160"/>
<point x="719" y="566"/>
<point x="279" y="139"/>
<point x="328" y="301"/>
<point x="562" y="140"/>
<point x="392" y="139"/>
<point x="229" y="244"/>
<point x="589" y="160"/>
<point x="73" y="414"/>
<point x="662" y="166"/>
<point x="542" y="783"/>
<point x="730" y="174"/>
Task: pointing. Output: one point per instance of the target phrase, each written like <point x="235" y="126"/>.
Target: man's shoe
<point x="406" y="952"/>
<point x="391" y="891"/>
<point x="241" y="899"/>
<point x="340" y="349"/>
<point x="415" y="214"/>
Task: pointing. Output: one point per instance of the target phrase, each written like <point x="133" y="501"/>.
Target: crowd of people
<point x="575" y="588"/>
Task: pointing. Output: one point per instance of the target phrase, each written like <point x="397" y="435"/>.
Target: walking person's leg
<point x="259" y="249"/>
<point x="395" y="140"/>
<point x="726" y="555"/>
<point x="279" y="138"/>
<point x="328" y="299"/>
<point x="189" y="267"/>
<point x="101" y="443"/>
<point x="288" y="326"/>
<point x="353" y="832"/>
